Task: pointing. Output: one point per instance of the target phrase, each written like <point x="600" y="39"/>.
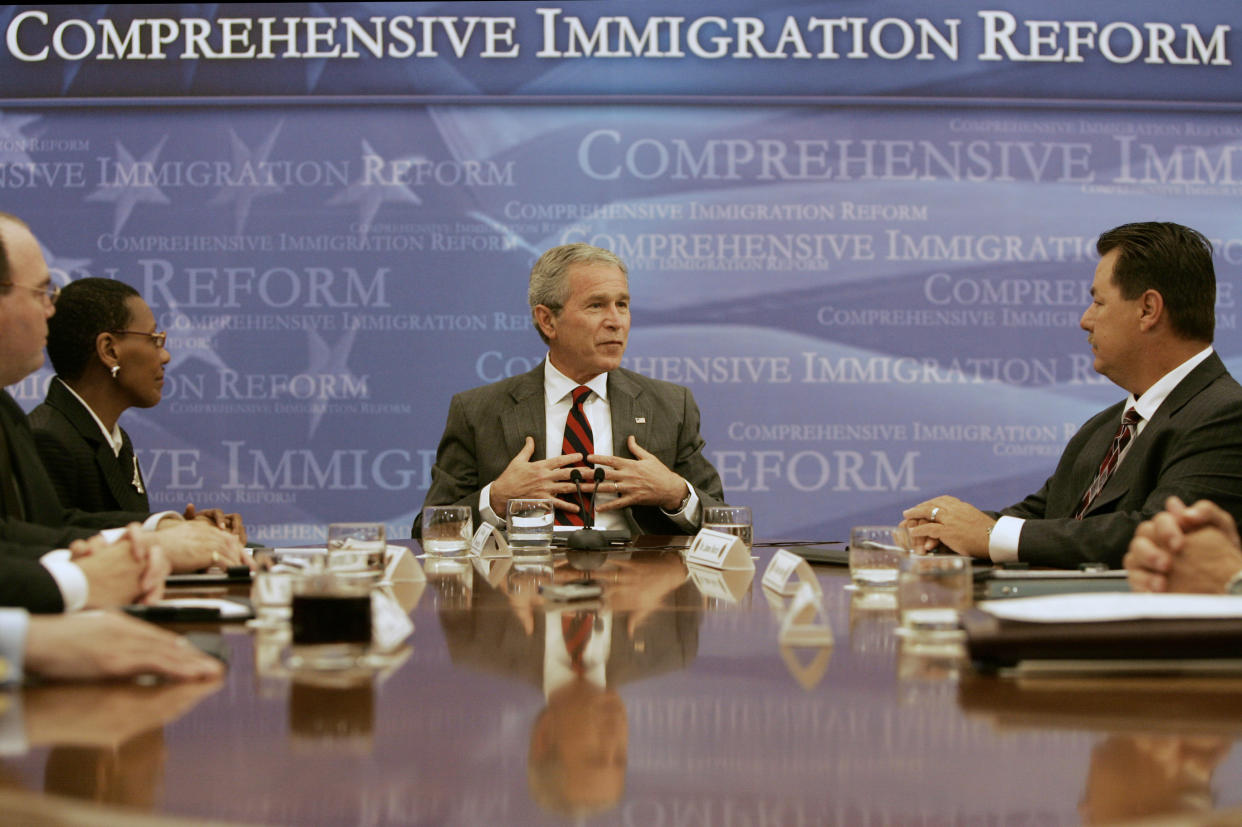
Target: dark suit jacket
<point x="45" y="523"/>
<point x="78" y="459"/>
<point x="24" y="582"/>
<point x="1191" y="448"/>
<point x="487" y="426"/>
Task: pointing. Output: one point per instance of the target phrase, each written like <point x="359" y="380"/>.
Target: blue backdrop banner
<point x="863" y="237"/>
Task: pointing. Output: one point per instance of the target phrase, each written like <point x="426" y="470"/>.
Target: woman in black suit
<point x="108" y="357"/>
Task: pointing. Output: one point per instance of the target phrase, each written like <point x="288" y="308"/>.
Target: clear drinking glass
<point x="447" y="530"/>
<point x="530" y="527"/>
<point x="932" y="592"/>
<point x="876" y="553"/>
<point x="730" y="519"/>
<point x="357" y="548"/>
<point x="271" y="590"/>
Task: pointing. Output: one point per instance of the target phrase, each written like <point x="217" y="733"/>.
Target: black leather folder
<point x="994" y="643"/>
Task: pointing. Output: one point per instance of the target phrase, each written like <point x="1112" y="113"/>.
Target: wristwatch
<point x="1234" y="586"/>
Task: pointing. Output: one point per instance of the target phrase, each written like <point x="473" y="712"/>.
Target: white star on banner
<point x="11" y="127"/>
<point x="201" y="332"/>
<point x="141" y="190"/>
<point x="370" y="195"/>
<point x="62" y="269"/>
<point x="327" y="360"/>
<point x="246" y="163"/>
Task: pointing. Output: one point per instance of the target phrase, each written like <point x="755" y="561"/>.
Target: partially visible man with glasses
<point x="108" y="358"/>
<point x="103" y="569"/>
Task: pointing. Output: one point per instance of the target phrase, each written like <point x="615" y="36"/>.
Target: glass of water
<point x="730" y="519"/>
<point x="357" y="548"/>
<point x="932" y="592"/>
<point x="530" y="527"/>
<point x="876" y="553"/>
<point x="447" y="530"/>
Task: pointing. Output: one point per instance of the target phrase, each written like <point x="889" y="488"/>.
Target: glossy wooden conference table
<point x="703" y="720"/>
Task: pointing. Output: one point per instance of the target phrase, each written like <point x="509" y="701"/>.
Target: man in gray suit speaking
<point x="1150" y="326"/>
<point x="578" y="410"/>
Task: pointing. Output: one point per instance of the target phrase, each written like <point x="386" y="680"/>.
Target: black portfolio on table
<point x="995" y="643"/>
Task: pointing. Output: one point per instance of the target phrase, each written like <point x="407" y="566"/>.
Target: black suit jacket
<point x="24" y="582"/>
<point x="79" y="460"/>
<point x="45" y="522"/>
<point x="1191" y="448"/>
<point x="487" y="426"/>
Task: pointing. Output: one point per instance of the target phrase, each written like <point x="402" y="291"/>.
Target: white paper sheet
<point x="1102" y="606"/>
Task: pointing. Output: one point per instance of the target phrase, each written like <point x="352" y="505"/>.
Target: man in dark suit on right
<point x="1150" y="325"/>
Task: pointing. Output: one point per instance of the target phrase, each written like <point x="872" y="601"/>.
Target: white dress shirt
<point x="558" y="399"/>
<point x="1006" y="534"/>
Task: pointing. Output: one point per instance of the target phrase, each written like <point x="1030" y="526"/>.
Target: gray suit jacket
<point x="487" y="427"/>
<point x="1192" y="448"/>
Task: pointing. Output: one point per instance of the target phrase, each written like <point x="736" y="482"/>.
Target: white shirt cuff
<point x="151" y="523"/>
<point x="485" y="508"/>
<point x="688" y="517"/>
<point x="14" y="624"/>
<point x="111" y="535"/>
<point x="1003" y="541"/>
<point x="69" y="577"/>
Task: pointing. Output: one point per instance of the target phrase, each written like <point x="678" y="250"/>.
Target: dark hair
<point x="86" y="308"/>
<point x="1173" y="260"/>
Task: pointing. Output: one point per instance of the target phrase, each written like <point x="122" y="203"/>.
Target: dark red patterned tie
<point x="578" y="440"/>
<point x="1125" y="433"/>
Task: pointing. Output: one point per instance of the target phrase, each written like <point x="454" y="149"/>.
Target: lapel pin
<point x="640" y="420"/>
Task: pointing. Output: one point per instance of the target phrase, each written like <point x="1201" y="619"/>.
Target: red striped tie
<point x="578" y="440"/>
<point x="1125" y="433"/>
<point x="576" y="627"/>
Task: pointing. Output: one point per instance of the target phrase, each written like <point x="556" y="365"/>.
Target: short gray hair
<point x="549" y="280"/>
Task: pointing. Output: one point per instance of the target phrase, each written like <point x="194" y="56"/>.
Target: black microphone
<point x="586" y="537"/>
<point x="599" y="477"/>
<point x="575" y="476"/>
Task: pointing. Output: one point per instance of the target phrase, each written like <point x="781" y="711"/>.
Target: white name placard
<point x="805" y="623"/>
<point x="786" y="571"/>
<point x="488" y="541"/>
<point x="390" y="625"/>
<point x="718" y="550"/>
<point x="401" y="565"/>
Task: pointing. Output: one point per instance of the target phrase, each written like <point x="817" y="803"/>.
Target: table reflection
<point x="669" y="700"/>
<point x="1141" y="776"/>
<point x="106" y="740"/>
<point x="577" y="654"/>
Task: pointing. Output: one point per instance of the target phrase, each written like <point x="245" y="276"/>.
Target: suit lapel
<point x="526" y="416"/>
<point x="118" y="479"/>
<point x="1125" y="475"/>
<point x="631" y="414"/>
